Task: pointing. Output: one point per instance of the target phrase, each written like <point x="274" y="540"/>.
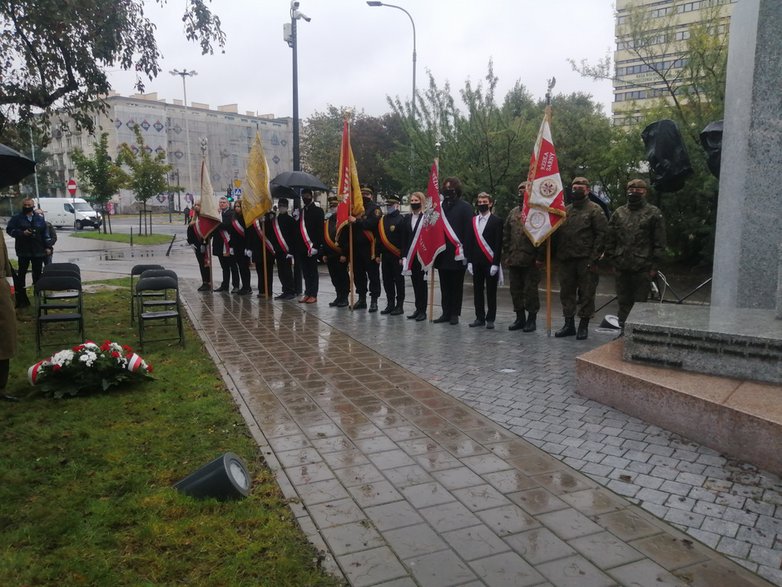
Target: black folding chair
<point x="166" y="298"/>
<point x="72" y="267"/>
<point x="49" y="310"/>
<point x="62" y="269"/>
<point x="151" y="310"/>
<point x="136" y="271"/>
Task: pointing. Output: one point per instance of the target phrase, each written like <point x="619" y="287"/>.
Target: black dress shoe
<point x="398" y="311"/>
<point x="387" y="310"/>
<point x="454" y="320"/>
<point x="421" y="317"/>
<point x="334" y="303"/>
<point x="372" y="305"/>
<point x="442" y="319"/>
<point x="281" y="297"/>
<point x="414" y="315"/>
<point x="475" y="323"/>
<point x="235" y="290"/>
<point x="221" y="288"/>
<point x="342" y="303"/>
<point x="489" y="324"/>
<point x="204" y="287"/>
<point x="288" y="296"/>
<point x="244" y="291"/>
<point x="361" y="304"/>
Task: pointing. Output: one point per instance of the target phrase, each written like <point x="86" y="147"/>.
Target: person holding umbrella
<point x="31" y="236"/>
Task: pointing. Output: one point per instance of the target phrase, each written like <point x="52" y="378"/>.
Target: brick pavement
<point x="406" y="485"/>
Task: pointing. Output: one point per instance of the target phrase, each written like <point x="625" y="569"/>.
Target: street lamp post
<point x="184" y="73"/>
<point x="412" y="22"/>
<point x="290" y="38"/>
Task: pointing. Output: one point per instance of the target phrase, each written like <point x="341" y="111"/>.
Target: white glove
<point x="314" y="253"/>
<point x="469" y="268"/>
<point x="404" y="261"/>
<point x="248" y="253"/>
<point x="289" y="257"/>
<point x="494" y="269"/>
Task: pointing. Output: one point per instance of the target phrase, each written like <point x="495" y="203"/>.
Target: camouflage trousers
<point x="631" y="287"/>
<point x="524" y="282"/>
<point x="577" y="286"/>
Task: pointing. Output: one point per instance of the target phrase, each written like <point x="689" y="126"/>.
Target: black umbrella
<point x="297" y="179"/>
<point x="14" y="166"/>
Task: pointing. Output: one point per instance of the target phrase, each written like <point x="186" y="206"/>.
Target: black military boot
<point x="361" y="304"/>
<point x="519" y="323"/>
<point x="398" y="311"/>
<point x="531" y="325"/>
<point x="387" y="310"/>
<point x="569" y="329"/>
<point x="583" y="329"/>
<point x="373" y="304"/>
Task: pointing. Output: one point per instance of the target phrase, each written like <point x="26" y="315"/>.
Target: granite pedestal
<point x="742" y="343"/>
<point x="741" y="419"/>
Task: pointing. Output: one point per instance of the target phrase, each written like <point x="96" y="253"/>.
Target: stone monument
<point x="738" y="340"/>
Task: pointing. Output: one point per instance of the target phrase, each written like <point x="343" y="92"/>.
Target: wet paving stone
<point x="406" y="484"/>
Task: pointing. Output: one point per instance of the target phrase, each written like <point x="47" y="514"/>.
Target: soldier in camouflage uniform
<point x="524" y="261"/>
<point x="635" y="244"/>
<point x="580" y="241"/>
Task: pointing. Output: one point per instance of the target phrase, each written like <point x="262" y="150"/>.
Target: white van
<point x="74" y="212"/>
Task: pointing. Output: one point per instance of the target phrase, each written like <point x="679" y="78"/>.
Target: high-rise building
<point x="662" y="29"/>
<point x="163" y="126"/>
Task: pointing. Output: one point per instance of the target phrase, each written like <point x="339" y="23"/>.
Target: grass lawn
<point x="119" y="237"/>
<point x="85" y="482"/>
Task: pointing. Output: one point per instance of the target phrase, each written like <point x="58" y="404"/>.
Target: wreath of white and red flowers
<point x="87" y="368"/>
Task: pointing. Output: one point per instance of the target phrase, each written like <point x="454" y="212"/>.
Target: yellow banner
<point x="257" y="199"/>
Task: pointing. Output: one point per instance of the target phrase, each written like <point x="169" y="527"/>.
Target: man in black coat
<point x="391" y="230"/>
<point x="222" y="249"/>
<point x="484" y="257"/>
<point x="284" y="228"/>
<point x="334" y="256"/>
<point x="366" y="253"/>
<point x="31" y="236"/>
<point x="309" y="239"/>
<point x="451" y="263"/>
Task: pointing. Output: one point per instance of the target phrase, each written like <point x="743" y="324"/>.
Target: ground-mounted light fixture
<point x="225" y="478"/>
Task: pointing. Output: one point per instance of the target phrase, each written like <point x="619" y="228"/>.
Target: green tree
<point x="372" y="138"/>
<point x="99" y="175"/>
<point x="148" y="175"/>
<point x="58" y="52"/>
<point x="685" y="68"/>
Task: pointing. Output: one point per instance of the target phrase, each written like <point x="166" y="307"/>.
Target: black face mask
<point x="450" y="194"/>
<point x="27" y="210"/>
<point x="415" y="206"/>
<point x="306" y="200"/>
<point x="578" y="195"/>
<point x="634" y="197"/>
<point x="482" y="208"/>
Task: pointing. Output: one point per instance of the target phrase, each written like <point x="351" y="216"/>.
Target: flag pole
<point x="431" y="294"/>
<point x="548" y="286"/>
<point x="265" y="266"/>
<point x="208" y="257"/>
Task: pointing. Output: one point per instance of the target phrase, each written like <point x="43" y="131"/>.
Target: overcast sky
<point x="351" y="54"/>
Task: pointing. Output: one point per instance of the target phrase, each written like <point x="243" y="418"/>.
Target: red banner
<point x="351" y="202"/>
<point x="430" y="237"/>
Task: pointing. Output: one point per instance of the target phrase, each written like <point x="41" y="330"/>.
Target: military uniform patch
<point x="392" y="228"/>
<point x="378" y="212"/>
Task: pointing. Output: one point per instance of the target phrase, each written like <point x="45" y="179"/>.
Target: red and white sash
<point x="482" y="243"/>
<point x="262" y="235"/>
<point x="451" y="236"/>
<point x="411" y="252"/>
<point x="305" y="235"/>
<point x="238" y="227"/>
<point x="226" y="236"/>
<point x="280" y="239"/>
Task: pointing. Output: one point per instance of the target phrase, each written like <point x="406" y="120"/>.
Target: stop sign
<point x="72" y="187"/>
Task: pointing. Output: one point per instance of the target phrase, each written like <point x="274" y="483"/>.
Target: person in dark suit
<point x="241" y="248"/>
<point x="309" y="239"/>
<point x="199" y="246"/>
<point x="451" y="263"/>
<point x="366" y="254"/>
<point x="392" y="238"/>
<point x="484" y="255"/>
<point x="334" y="256"/>
<point x="284" y="227"/>
<point x="263" y="228"/>
<point x="417" y="278"/>
<point x="221" y="248"/>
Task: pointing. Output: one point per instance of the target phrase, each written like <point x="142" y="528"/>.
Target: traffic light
<point x="229" y="194"/>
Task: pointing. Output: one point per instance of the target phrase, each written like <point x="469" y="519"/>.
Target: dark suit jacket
<point x="313" y="217"/>
<point x="492" y="234"/>
<point x="459" y="214"/>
